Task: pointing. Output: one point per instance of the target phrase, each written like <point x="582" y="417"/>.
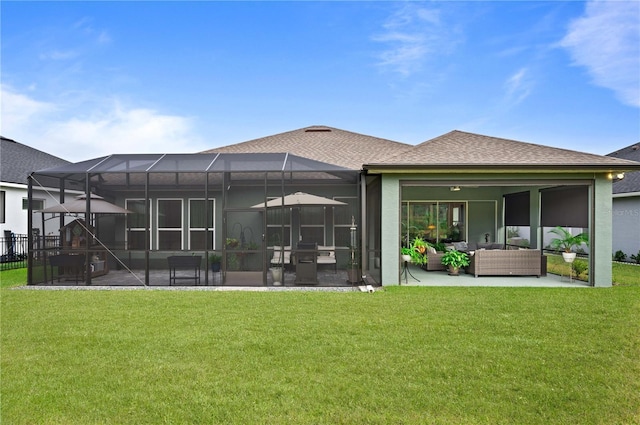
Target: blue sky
<point x="85" y="79"/>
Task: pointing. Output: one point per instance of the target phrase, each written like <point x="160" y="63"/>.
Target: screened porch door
<point x="244" y="263"/>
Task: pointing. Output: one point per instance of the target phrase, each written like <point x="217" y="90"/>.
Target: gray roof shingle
<point x="325" y="144"/>
<point x="460" y="149"/>
<point x="17" y="161"/>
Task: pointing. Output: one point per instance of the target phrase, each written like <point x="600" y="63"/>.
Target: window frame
<point x="346" y="226"/>
<point x="136" y="229"/>
<point x="160" y="230"/>
<point x="211" y="229"/>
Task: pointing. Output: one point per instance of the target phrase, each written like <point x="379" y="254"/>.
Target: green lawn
<point x="402" y="356"/>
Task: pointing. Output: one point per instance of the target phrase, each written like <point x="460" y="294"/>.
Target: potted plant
<point x="276" y="274"/>
<point x="215" y="260"/>
<point x="566" y="241"/>
<point x="406" y="254"/>
<point x="416" y="252"/>
<point x="455" y="259"/>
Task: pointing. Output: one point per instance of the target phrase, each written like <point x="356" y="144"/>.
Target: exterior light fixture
<point x="454" y="188"/>
<point x="615" y="176"/>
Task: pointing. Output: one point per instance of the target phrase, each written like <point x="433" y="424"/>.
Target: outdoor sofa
<point x="434" y="258"/>
<point x="495" y="262"/>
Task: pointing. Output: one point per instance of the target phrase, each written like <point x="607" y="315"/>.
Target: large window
<point x="342" y="220"/>
<point x="279" y="226"/>
<point x="136" y="223"/>
<point x="435" y="221"/>
<point x="169" y="224"/>
<point x="312" y="224"/>
<point x="199" y="221"/>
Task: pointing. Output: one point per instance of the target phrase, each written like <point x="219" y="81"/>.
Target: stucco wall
<point x="601" y="234"/>
<point x="626" y="225"/>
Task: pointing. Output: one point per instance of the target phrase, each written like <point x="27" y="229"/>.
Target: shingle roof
<point x="631" y="180"/>
<point x="462" y="149"/>
<point x="325" y="144"/>
<point x="17" y="161"/>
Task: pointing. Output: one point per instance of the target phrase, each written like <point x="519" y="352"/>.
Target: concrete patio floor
<point x="327" y="279"/>
<point x="442" y="278"/>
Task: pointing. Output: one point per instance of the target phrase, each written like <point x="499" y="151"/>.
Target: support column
<point x="390" y="232"/>
<point x="535" y="234"/>
<point x="601" y="236"/>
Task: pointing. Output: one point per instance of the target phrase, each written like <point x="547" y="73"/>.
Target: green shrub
<point x="579" y="266"/>
<point x="636" y="257"/>
<point x="619" y="256"/>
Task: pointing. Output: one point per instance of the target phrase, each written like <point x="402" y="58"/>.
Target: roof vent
<point x="317" y="130"/>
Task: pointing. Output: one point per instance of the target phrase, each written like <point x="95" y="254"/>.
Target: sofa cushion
<point x="460" y="246"/>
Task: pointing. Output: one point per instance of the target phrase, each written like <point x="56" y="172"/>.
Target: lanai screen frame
<point x="276" y="174"/>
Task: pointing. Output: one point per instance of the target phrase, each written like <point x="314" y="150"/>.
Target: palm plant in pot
<point x="455" y="259"/>
<point x="566" y="242"/>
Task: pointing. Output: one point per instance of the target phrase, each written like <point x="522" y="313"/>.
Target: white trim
<point x="626" y="195"/>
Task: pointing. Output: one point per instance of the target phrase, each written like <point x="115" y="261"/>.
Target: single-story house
<point x="626" y="205"/>
<point x="351" y="197"/>
<point x="17" y="161"/>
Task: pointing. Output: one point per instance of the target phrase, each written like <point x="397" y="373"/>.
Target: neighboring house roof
<point x="631" y="181"/>
<point x="459" y="149"/>
<point x="325" y="144"/>
<point x="17" y="161"/>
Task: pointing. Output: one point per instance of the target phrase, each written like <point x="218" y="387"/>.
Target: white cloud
<point x="411" y="34"/>
<point x="17" y="109"/>
<point x="109" y="128"/>
<point x="606" y="40"/>
<point x="518" y="87"/>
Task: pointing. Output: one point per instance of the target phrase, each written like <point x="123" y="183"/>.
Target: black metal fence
<point x="14" y="248"/>
<point x="13" y="251"/>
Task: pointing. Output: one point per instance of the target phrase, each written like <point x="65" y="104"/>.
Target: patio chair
<point x="279" y="259"/>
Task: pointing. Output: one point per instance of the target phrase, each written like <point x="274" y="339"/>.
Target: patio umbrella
<point x="299" y="199"/>
<point x="79" y="205"/>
